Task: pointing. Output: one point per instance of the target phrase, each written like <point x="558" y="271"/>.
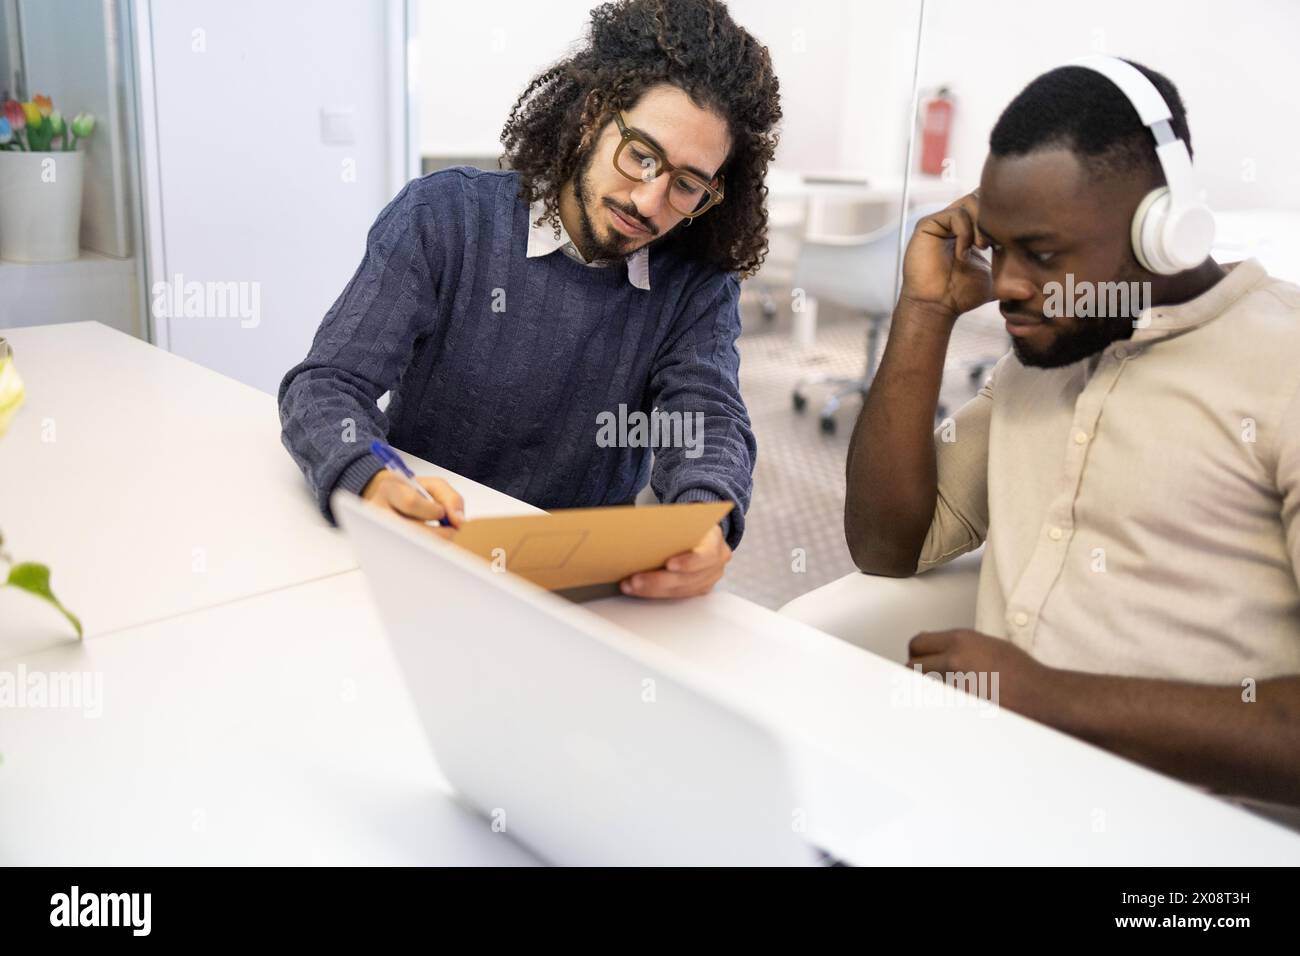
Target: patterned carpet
<point x="794" y="537"/>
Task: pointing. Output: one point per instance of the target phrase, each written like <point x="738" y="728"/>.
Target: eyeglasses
<point x="641" y="162"/>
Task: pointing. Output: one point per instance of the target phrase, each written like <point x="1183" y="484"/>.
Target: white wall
<point x="244" y="189"/>
<point x="881" y="39"/>
<point x="1234" y="64"/>
<point x="475" y="59"/>
<point x="811" y="59"/>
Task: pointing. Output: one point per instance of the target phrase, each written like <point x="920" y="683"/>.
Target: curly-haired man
<point x="523" y="319"/>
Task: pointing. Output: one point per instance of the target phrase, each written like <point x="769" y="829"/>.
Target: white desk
<point x="1270" y="235"/>
<point x="152" y="487"/>
<point x="898" y="777"/>
<point x="272" y="730"/>
<point x="275" y="728"/>
<point x="858" y="186"/>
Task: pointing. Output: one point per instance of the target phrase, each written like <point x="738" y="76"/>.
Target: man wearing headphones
<point x="1132" y="466"/>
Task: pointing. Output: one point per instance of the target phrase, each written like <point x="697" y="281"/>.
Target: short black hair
<point x="1083" y="111"/>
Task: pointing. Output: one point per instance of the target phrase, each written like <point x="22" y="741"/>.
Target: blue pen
<point x="393" y="462"/>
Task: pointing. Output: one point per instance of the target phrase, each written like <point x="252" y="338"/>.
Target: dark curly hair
<point x="632" y="46"/>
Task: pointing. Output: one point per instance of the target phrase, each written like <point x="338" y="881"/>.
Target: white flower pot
<point x="40" y="205"/>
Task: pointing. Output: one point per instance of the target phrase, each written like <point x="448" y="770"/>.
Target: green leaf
<point x="35" y="579"/>
<point x="39" y="136"/>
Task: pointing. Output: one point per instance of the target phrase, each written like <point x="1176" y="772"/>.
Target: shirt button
<point x="1121" y="352"/>
<point x="1056" y="534"/>
<point x="1021" y="619"/>
<point x="1080" y="438"/>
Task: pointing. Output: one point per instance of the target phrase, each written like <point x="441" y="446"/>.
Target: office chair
<point x="856" y="272"/>
<point x="787" y="215"/>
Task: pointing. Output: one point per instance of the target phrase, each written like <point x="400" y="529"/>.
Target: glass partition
<point x="69" y="196"/>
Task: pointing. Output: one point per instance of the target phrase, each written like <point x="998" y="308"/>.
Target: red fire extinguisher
<point x="936" y="125"/>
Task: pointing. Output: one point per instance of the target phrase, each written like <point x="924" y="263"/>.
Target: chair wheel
<point x="800" y="403"/>
<point x="828" y="424"/>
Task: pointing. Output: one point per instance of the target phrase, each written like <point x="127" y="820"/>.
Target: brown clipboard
<point x="576" y="547"/>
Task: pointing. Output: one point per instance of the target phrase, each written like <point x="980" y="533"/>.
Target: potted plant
<point x="27" y="575"/>
<point x="41" y="175"/>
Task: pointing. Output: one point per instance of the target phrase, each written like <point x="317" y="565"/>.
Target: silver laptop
<point x="582" y="741"/>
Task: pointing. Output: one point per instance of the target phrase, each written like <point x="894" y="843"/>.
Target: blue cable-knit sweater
<point x="501" y="366"/>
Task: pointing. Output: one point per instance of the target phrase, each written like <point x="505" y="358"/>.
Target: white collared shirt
<point x="542" y="241"/>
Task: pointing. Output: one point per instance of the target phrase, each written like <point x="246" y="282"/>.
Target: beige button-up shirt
<point x="1141" y="509"/>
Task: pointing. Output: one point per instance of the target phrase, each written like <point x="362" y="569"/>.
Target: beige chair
<point x="882" y="614"/>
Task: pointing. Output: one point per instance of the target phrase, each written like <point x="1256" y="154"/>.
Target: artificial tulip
<point x="11" y="388"/>
<point x="15" y="115"/>
<point x="83" y="124"/>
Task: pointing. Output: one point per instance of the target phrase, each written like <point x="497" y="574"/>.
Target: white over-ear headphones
<point x="1173" y="230"/>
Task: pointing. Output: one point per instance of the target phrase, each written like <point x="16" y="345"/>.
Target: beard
<point x="617" y="246"/>
<point x="1087" y="338"/>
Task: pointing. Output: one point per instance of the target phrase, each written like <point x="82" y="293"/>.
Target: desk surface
<point x="256" y="715"/>
<point x="271" y="730"/>
<point x="152" y="487"/>
<point x="897" y="769"/>
<point x="277" y="729"/>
